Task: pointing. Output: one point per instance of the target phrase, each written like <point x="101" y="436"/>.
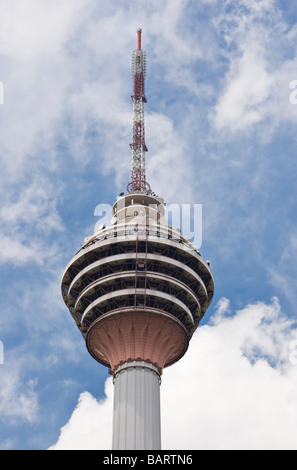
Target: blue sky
<point x="221" y="131"/>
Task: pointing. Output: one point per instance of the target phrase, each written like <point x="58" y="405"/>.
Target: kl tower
<point x="137" y="291"/>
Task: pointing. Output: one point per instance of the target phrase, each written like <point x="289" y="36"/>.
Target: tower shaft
<point x="136" y="415"/>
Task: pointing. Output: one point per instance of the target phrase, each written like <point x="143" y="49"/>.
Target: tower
<point x="137" y="291"/>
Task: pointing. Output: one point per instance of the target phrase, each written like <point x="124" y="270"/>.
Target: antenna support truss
<point x="138" y="178"/>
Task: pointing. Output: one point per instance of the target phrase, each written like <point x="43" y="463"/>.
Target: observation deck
<point x="137" y="289"/>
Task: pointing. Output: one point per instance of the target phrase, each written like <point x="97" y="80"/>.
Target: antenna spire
<point x="138" y="147"/>
<point x="139" y="39"/>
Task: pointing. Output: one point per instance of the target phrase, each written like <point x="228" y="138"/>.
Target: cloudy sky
<point x="220" y="125"/>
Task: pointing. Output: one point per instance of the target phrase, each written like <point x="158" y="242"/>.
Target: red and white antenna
<point x="138" y="179"/>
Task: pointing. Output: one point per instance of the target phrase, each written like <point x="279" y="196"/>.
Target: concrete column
<point x="136" y="416"/>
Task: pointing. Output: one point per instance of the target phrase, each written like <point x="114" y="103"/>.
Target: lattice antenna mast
<point x="138" y="179"/>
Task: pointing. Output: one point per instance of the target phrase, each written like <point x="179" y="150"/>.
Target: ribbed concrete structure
<point x="137" y="291"/>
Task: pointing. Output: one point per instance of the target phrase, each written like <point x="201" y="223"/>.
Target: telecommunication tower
<point x="137" y="291"/>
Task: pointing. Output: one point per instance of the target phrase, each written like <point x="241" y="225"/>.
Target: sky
<point x="220" y="123"/>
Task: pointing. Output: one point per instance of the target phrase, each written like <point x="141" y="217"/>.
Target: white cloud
<point x="27" y="219"/>
<point x="35" y="205"/>
<point x="234" y="389"/>
<point x="89" y="417"/>
<point x="282" y="271"/>
<point x="18" y="397"/>
<point x="36" y="74"/>
<point x="248" y="85"/>
<point x="16" y="251"/>
<point x="255" y="87"/>
<point x="169" y="165"/>
<point x="22" y="23"/>
<point x="236" y="382"/>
